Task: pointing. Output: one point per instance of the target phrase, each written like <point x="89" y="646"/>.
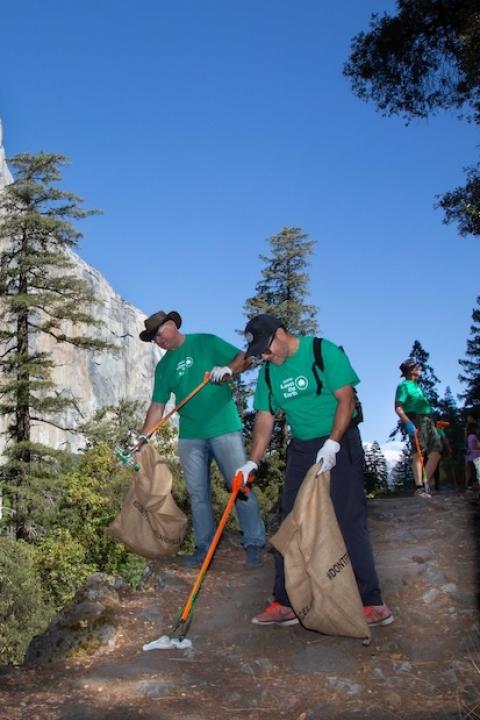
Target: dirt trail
<point x="421" y="667"/>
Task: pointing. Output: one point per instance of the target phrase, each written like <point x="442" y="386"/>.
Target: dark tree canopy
<point x="423" y="60"/>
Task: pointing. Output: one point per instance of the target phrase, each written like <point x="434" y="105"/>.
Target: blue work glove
<point x="410" y="428"/>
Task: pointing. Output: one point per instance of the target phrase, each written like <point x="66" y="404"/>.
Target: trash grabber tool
<point x="426" y="485"/>
<point x="126" y="456"/>
<point x="184" y="619"/>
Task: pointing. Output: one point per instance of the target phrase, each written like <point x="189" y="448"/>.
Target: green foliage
<point x="61" y="563"/>
<point x="93" y="495"/>
<point x="112" y="425"/>
<point x="24" y="610"/>
<point x="420" y="61"/>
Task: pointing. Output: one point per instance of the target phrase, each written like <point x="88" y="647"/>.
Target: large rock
<point x="87" y="624"/>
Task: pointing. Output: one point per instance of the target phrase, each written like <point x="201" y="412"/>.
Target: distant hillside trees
<point x="40" y="296"/>
<point x="417" y="62"/>
<point x="470" y="375"/>
<point x="401" y="478"/>
<point x="375" y="472"/>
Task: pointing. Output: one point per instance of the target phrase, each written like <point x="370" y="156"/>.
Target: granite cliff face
<point x="99" y="378"/>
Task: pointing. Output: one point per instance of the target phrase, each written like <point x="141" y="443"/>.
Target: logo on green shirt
<point x="183" y="365"/>
<point x="291" y="387"/>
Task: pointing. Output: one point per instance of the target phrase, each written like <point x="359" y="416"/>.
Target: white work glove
<point x="217" y="373"/>
<point x="326" y="456"/>
<point x="247" y="470"/>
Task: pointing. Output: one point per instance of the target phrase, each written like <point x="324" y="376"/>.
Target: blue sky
<point x="202" y="127"/>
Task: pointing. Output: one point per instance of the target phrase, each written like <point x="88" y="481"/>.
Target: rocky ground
<point x="425" y="666"/>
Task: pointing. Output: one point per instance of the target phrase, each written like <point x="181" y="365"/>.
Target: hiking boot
<point x="194" y="560"/>
<point x="421" y="492"/>
<point x="253" y="556"/>
<point x="276" y="614"/>
<point x="377" y="615"/>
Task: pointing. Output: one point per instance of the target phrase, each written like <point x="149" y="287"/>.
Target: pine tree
<point x="402" y="474"/>
<point x="428" y="379"/>
<point x="282" y="292"/>
<point x="471" y="364"/>
<point x="40" y="296"/>
<point x="375" y="471"/>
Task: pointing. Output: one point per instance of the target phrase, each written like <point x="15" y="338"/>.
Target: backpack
<point x="318" y="364"/>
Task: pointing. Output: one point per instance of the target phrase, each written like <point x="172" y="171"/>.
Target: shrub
<point x="24" y="612"/>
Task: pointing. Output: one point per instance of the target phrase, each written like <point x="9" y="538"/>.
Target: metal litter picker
<point x="181" y="626"/>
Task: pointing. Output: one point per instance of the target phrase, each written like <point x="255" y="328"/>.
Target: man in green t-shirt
<point x="321" y="417"/>
<point x="210" y="427"/>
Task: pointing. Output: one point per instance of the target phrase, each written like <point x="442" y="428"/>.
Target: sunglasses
<point x="268" y="350"/>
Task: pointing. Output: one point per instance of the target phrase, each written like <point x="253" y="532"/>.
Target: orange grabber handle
<point x="237" y="485"/>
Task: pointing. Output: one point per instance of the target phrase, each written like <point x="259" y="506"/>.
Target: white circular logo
<point x="301" y="383"/>
<point x="188" y="362"/>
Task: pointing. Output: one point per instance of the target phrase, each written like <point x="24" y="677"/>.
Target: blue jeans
<point x="229" y="454"/>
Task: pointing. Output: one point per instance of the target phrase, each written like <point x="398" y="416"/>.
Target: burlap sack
<point x="320" y="582"/>
<point x="150" y="523"/>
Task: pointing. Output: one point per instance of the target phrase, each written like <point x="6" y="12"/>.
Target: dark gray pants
<point x="348" y="497"/>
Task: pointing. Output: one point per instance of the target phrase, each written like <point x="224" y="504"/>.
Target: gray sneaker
<point x="421" y="492"/>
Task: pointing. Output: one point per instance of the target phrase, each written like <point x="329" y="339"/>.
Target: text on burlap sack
<point x="338" y="566"/>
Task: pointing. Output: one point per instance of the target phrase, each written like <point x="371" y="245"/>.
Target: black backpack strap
<point x="318" y="362"/>
<point x="269" y="385"/>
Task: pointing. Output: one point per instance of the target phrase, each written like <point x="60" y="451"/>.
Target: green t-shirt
<point x="212" y="411"/>
<point x="410" y="396"/>
<point x="294" y="388"/>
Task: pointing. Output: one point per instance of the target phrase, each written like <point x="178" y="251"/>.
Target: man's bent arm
<point x="343" y="414"/>
<point x="262" y="434"/>
<point x="239" y="363"/>
<point x="153" y="416"/>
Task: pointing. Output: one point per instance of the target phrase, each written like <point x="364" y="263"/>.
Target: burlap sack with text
<point x="320" y="582"/>
<point x="150" y="523"/>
